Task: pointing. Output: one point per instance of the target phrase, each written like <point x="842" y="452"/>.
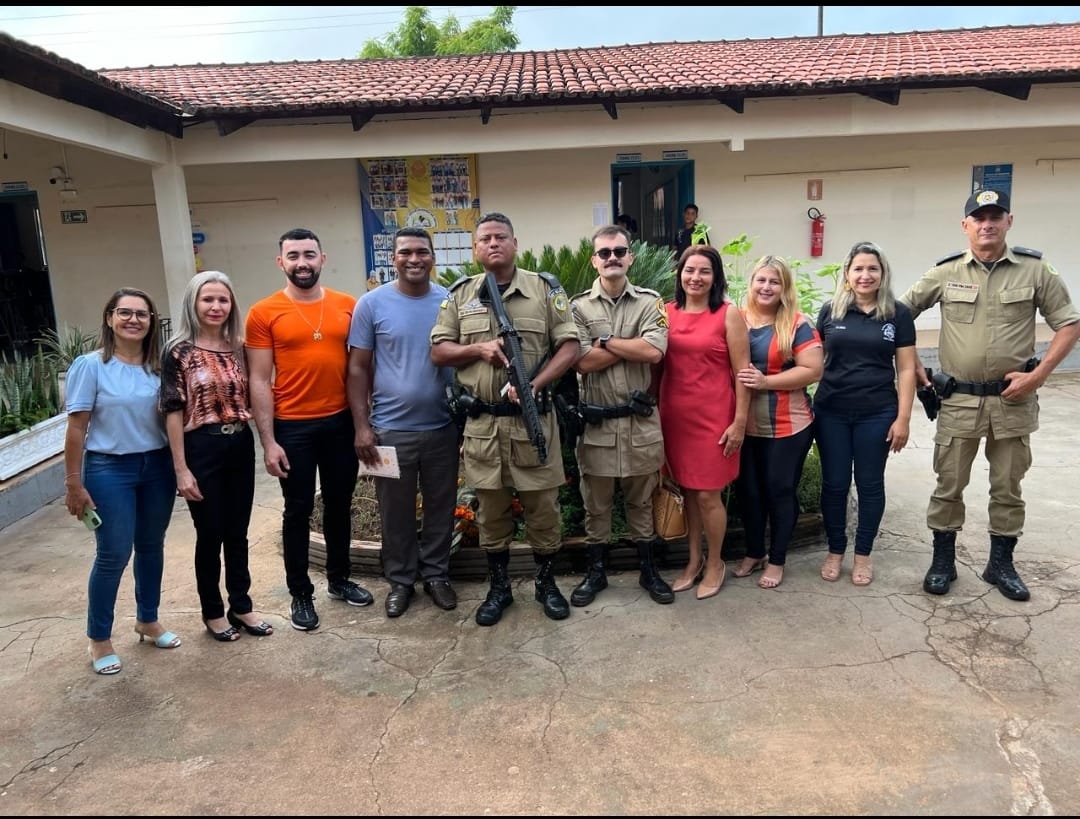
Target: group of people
<point x="710" y="393"/>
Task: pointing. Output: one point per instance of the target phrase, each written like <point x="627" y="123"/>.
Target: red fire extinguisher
<point x="817" y="232"/>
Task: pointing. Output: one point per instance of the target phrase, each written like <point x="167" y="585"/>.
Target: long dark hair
<point x="719" y="285"/>
<point x="151" y="343"/>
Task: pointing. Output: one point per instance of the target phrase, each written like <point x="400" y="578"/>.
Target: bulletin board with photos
<point x="437" y="193"/>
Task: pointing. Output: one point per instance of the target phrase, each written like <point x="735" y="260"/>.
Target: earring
<point x="847" y="286"/>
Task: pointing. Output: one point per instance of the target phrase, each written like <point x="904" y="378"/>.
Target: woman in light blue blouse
<point x="117" y="462"/>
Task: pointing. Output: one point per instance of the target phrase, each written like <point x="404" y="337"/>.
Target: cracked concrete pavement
<point x="816" y="698"/>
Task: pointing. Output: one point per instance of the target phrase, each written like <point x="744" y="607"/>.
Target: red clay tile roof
<point x="694" y="70"/>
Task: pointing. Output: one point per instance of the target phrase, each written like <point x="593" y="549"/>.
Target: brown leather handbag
<point x="668" y="509"/>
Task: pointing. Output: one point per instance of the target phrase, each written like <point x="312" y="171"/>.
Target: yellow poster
<point x="437" y="193"/>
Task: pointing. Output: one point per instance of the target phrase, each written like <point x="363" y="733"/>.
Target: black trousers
<point x="323" y="445"/>
<point x="224" y="466"/>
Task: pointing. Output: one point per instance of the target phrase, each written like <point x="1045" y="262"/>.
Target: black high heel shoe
<point x="226" y="636"/>
<point x="263" y="629"/>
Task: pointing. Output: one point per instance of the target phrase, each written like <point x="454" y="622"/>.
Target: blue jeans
<point x="324" y="445"/>
<point x="428" y="460"/>
<point x="134" y="495"/>
<point x="848" y="438"/>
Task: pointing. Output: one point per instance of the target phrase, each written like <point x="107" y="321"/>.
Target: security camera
<point x="56" y="175"/>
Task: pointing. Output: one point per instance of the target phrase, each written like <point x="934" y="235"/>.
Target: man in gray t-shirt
<point x="398" y="399"/>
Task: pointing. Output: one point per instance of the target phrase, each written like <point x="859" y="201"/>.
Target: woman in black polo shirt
<point x="862" y="406"/>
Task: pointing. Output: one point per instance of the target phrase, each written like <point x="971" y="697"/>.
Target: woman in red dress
<point x="703" y="408"/>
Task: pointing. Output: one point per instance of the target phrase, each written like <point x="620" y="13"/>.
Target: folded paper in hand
<point x="387" y="467"/>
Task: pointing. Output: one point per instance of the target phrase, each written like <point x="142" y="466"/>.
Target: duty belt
<point x="981" y="388"/>
<point x="621" y="411"/>
<point x="503" y="408"/>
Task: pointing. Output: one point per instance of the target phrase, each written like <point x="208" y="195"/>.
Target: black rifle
<point x="517" y="371"/>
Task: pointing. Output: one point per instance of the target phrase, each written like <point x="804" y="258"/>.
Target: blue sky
<point x="111" y="37"/>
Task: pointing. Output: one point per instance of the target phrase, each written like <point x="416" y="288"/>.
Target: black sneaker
<point x="304" y="617"/>
<point x="349" y="592"/>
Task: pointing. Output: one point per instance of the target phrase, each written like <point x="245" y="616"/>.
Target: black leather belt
<point x="224" y="429"/>
<point x="981" y="387"/>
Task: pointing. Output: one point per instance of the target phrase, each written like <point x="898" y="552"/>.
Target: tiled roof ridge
<point x="579" y="49"/>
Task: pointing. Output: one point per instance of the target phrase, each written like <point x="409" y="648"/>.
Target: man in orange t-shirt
<point x="297" y="363"/>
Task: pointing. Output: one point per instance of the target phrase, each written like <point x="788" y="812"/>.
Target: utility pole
<point x="820" y="20"/>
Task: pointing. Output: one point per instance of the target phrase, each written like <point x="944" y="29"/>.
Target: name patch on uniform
<point x="472" y="308"/>
<point x="961" y="286"/>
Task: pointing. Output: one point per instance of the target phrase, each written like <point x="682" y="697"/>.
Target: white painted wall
<point x="889" y="176"/>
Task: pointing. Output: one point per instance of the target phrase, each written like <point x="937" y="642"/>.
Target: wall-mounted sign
<point x="671" y="156"/>
<point x="73" y="217"/>
<point x="436" y="193"/>
<point x="14" y="187"/>
<point x="994" y="177"/>
<point x="619" y="158"/>
<point x="814" y="188"/>
<point x="198" y="238"/>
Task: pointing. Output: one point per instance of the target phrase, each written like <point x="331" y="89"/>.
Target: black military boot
<point x="555" y="605"/>
<point x="942" y="569"/>
<point x="1000" y="571"/>
<point x="595" y="580"/>
<point x="650" y="579"/>
<point x="500" y="596"/>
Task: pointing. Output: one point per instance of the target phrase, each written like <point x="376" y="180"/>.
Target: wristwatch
<point x="603" y="342"/>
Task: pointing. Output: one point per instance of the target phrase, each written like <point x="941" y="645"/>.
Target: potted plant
<point x="62" y="347"/>
<point x="32" y="422"/>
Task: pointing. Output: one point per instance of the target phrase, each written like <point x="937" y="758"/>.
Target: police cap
<point x="986" y="199"/>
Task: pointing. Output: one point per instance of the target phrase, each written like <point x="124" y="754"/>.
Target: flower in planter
<point x="466" y="530"/>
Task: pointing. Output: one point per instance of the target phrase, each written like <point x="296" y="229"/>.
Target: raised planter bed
<point x="30" y="447"/>
<point x="471" y="564"/>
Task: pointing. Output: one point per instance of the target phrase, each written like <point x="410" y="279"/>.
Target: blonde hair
<point x="788" y="311"/>
<point x="844" y="298"/>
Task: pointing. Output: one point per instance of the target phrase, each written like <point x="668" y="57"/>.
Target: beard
<point x="304" y="284"/>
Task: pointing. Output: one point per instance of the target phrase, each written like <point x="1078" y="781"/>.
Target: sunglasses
<point x="605" y="252"/>
<point x="124" y="314"/>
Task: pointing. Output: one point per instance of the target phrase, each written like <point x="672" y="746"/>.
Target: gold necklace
<point x="315" y="330"/>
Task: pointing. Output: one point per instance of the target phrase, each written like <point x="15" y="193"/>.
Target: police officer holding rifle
<point x="510" y="438"/>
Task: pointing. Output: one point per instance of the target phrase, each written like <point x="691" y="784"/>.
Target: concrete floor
<point x="814" y="698"/>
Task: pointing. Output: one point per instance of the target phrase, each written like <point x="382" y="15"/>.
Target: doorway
<point x="26" y="303"/>
<point x="653" y="194"/>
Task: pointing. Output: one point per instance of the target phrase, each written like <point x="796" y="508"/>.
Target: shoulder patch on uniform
<point x="661" y="308"/>
<point x="1027" y="251"/>
<point x="950" y="257"/>
<point x="558" y="300"/>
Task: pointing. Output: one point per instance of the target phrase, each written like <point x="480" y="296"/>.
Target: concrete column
<point x="174" y="225"/>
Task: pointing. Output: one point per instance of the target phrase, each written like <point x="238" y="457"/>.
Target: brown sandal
<point x="862" y="573"/>
<point x="830" y="569"/>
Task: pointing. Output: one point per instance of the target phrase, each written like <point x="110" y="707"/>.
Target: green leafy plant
<point x="63" y="346"/>
<point x="29" y="392"/>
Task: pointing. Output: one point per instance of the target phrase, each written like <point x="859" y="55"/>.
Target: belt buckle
<point x="229" y="429"/>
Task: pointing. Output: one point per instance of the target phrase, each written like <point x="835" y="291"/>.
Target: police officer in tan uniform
<point x="497" y="450"/>
<point x="989" y="295"/>
<point x="623" y="331"/>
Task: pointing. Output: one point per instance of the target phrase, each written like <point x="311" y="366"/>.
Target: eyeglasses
<point x="605" y="252"/>
<point x="124" y="314"/>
